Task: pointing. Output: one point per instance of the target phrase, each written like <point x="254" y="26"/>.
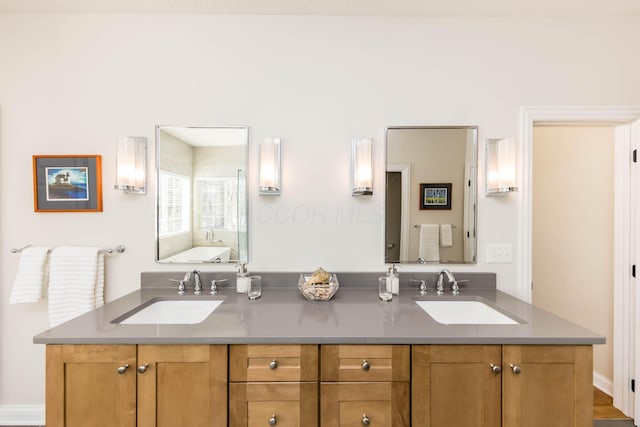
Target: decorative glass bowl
<point x="318" y="291"/>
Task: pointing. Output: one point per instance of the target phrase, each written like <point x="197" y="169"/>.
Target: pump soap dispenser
<point x="242" y="279"/>
<point x="393" y="281"/>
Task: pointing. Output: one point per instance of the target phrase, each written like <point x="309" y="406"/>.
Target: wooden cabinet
<point x="273" y="384"/>
<point x="508" y="386"/>
<point x="311" y="385"/>
<point x="182" y="385"/>
<point x="91" y="385"/>
<point x="129" y="385"/>
<point x="553" y="389"/>
<point x="365" y="385"/>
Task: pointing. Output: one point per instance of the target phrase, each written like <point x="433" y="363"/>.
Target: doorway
<point x="626" y="302"/>
<point x="572" y="231"/>
<point x="393" y="210"/>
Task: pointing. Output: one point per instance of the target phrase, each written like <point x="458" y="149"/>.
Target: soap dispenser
<point x="242" y="279"/>
<point x="393" y="281"/>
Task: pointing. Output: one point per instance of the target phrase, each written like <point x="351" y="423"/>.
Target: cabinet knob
<point x="516" y="369"/>
<point x="365" y="420"/>
<point x="496" y="369"/>
<point x="122" y="369"/>
<point x="365" y="365"/>
<point x="273" y="420"/>
<point x="143" y="368"/>
<point x="273" y="365"/>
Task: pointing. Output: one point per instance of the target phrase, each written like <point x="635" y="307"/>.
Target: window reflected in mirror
<point x="201" y="195"/>
<point x="431" y="195"/>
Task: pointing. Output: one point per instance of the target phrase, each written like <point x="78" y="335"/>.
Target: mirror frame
<point x="474" y="175"/>
<point x="240" y="259"/>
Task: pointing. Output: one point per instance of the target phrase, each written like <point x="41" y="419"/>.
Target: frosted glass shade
<point x="500" y="166"/>
<point x="269" y="167"/>
<point x="362" y="166"/>
<point x="131" y="165"/>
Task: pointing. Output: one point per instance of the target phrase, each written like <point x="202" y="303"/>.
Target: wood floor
<point x="604" y="414"/>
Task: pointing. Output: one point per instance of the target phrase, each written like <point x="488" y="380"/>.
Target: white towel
<point x="428" y="247"/>
<point x="76" y="282"/>
<point x="31" y="276"/>
<point x="446" y="235"/>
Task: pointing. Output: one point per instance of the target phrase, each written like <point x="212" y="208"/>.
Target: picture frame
<point x="67" y="183"/>
<point x="435" y="196"/>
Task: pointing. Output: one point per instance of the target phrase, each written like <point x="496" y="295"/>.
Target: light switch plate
<point x="499" y="254"/>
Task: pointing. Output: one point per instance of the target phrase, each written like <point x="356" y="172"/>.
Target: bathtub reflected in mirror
<point x="201" y="194"/>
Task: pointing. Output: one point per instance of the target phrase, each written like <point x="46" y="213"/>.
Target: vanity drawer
<point x="281" y="404"/>
<point x="273" y="363"/>
<point x="384" y="404"/>
<point x="365" y="363"/>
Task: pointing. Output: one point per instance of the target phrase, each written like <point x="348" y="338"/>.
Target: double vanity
<point x="480" y="358"/>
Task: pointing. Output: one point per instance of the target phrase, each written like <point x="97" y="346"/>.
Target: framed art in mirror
<point x="67" y="183"/>
<point x="435" y="196"/>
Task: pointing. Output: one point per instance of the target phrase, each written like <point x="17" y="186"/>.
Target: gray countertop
<point x="354" y="315"/>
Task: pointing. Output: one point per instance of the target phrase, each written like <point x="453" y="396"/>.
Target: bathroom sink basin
<point x="465" y="312"/>
<point x="182" y="311"/>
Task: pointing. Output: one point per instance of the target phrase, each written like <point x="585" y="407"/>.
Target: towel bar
<point x="418" y="226"/>
<point x="119" y="249"/>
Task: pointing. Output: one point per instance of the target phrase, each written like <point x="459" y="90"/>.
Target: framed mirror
<point x="201" y="203"/>
<point x="431" y="194"/>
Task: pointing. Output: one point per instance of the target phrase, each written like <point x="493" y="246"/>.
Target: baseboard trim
<point x="22" y="415"/>
<point x="603" y="383"/>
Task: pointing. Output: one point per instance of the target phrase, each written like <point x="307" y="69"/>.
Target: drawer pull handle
<point x="273" y="364"/>
<point x="365" y="420"/>
<point x="273" y="420"/>
<point x="143" y="368"/>
<point x="365" y="365"/>
<point x="516" y="369"/>
<point x="122" y="369"/>
<point x="495" y="369"/>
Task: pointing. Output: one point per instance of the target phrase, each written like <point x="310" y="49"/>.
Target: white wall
<point x="74" y="83"/>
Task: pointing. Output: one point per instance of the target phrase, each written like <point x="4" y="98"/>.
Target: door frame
<point x="624" y="330"/>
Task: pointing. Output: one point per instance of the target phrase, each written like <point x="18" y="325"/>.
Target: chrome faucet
<point x="455" y="284"/>
<point x="197" y="282"/>
<point x="450" y="278"/>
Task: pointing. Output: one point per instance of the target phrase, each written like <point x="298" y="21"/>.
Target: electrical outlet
<point x="499" y="254"/>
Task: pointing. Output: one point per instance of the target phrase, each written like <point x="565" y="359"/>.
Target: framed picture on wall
<point x="435" y="196"/>
<point x="67" y="183"/>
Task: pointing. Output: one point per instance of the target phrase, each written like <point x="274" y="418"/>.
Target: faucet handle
<point x="214" y="285"/>
<point x="181" y="285"/>
<point x="455" y="286"/>
<point x="422" y="284"/>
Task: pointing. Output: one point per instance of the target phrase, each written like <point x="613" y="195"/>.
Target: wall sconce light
<point x="131" y="165"/>
<point x="269" y="167"/>
<point x="500" y="166"/>
<point x="362" y="166"/>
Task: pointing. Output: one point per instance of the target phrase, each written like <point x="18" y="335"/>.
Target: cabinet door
<point x="265" y="404"/>
<point x="91" y="385"/>
<point x="182" y="385"/>
<point x="456" y="386"/>
<point x="349" y="404"/>
<point x="547" y="386"/>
